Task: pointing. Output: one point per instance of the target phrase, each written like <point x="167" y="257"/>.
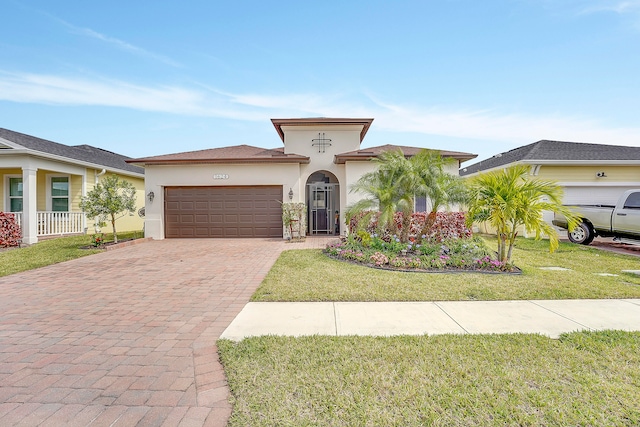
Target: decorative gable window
<point x="59" y="193"/>
<point x="15" y="194"/>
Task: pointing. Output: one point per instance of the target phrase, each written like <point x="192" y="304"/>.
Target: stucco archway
<point x="322" y="195"/>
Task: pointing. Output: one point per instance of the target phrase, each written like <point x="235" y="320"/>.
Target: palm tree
<point x="381" y="191"/>
<point x="396" y="182"/>
<point x="508" y="199"/>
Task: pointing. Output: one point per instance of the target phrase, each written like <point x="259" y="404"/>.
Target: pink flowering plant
<point x="441" y="251"/>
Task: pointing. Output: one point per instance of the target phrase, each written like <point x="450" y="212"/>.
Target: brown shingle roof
<point x="233" y="154"/>
<point x="370" y="153"/>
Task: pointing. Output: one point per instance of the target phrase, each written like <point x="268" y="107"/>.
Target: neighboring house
<point x="588" y="173"/>
<point x="237" y="191"/>
<point x="43" y="182"/>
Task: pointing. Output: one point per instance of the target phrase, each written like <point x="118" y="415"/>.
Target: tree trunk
<point x="502" y="246"/>
<point x="406" y="225"/>
<point x="512" y="241"/>
<point x="428" y="224"/>
<point x="113" y="225"/>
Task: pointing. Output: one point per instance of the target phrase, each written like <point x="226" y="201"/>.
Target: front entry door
<point x="322" y="207"/>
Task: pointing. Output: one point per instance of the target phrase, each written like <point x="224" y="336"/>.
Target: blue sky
<point x="154" y="77"/>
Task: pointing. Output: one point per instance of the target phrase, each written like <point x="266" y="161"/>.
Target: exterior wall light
<point x="290" y="194"/>
<point x="150" y="196"/>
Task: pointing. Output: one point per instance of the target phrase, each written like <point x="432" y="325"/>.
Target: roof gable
<point x="84" y="153"/>
<point x="323" y="121"/>
<point x="560" y="151"/>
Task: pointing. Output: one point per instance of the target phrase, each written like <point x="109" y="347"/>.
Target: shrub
<point x="379" y="259"/>
<point x="10" y="233"/>
<point x="364" y="237"/>
<point x="433" y="227"/>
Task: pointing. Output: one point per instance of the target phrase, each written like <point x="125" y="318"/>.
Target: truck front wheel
<point x="583" y="234"/>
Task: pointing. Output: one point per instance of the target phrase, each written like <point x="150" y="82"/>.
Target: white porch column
<point x="29" y="206"/>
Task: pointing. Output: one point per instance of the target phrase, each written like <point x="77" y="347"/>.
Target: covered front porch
<point x="45" y="202"/>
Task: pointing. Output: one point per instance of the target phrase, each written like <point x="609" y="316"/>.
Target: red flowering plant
<point x="10" y="232"/>
<point x="436" y="241"/>
<point x="97" y="240"/>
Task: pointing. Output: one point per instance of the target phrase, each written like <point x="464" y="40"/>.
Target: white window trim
<point x="7" y="191"/>
<point x="49" y="204"/>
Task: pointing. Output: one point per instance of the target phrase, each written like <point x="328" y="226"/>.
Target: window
<point x="15" y="194"/>
<point x="420" y="204"/>
<point x="633" y="201"/>
<point x="59" y="194"/>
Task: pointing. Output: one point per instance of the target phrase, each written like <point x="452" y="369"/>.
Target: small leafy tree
<point x="293" y="217"/>
<point x="109" y="197"/>
<point x="509" y="199"/>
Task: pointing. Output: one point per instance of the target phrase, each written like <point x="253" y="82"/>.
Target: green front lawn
<point x="309" y="275"/>
<point x="51" y="251"/>
<point x="587" y="379"/>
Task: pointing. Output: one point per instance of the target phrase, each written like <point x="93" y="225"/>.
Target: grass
<point x="309" y="275"/>
<point x="585" y="378"/>
<point x="51" y="251"/>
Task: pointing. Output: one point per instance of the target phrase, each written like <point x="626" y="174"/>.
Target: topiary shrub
<point x="10" y="233"/>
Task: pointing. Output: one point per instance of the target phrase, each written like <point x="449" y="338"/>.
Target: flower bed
<point x="448" y="255"/>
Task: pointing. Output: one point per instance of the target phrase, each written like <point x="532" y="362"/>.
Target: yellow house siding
<point x="75" y="183"/>
<point x="588" y="173"/>
<point x="126" y="222"/>
<point x="41" y="183"/>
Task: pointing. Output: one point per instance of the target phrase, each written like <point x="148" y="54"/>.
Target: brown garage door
<point x="223" y="211"/>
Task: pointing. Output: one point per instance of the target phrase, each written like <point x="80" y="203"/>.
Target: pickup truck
<point x="621" y="221"/>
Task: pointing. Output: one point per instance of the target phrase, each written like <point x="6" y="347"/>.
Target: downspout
<point x="98" y="175"/>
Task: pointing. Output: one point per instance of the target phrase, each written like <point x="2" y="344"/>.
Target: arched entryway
<point x="323" y="203"/>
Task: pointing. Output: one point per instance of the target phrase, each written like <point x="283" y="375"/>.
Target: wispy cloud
<point x="621" y="6"/>
<point x="120" y="44"/>
<point x="477" y="124"/>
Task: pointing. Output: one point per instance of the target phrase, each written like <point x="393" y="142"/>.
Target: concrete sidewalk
<point x="547" y="317"/>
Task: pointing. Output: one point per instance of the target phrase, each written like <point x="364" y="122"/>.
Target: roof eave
<point x="151" y="162"/>
<point x="35" y="153"/>
<point x="340" y="159"/>
<point x="558" y="163"/>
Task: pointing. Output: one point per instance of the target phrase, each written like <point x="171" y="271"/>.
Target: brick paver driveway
<point x="126" y="337"/>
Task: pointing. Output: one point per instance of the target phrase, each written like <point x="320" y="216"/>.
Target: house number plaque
<point x="220" y="176"/>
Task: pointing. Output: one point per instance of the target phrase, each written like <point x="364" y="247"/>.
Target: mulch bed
<point x="515" y="270"/>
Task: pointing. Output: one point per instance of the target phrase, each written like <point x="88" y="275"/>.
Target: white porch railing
<point x="18" y="217"/>
<point x="51" y="223"/>
<point x="55" y="223"/>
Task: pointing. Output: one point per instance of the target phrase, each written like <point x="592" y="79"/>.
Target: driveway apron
<point x="126" y="337"/>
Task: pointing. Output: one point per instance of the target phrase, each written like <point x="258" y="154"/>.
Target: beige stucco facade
<point x="159" y="177"/>
<point x="316" y="154"/>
